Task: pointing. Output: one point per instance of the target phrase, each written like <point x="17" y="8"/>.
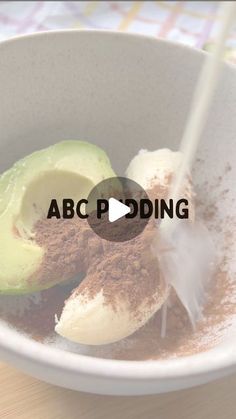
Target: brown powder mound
<point x="71" y="245"/>
<point x="125" y="272"/>
<point x="122" y="270"/>
<point x="64" y="245"/>
<point x="69" y="248"/>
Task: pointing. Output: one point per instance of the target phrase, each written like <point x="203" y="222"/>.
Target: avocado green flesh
<point x="69" y="169"/>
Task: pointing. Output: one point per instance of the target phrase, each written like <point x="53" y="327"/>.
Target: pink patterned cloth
<point x="194" y="23"/>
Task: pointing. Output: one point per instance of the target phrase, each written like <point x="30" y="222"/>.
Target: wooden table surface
<point x="23" y="397"/>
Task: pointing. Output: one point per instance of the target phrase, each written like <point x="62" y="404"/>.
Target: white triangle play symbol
<point x="117" y="210"/>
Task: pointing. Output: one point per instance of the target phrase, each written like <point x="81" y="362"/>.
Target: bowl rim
<point x="13" y="343"/>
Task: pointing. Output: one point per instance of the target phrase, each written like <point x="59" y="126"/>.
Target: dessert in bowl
<point x="122" y="93"/>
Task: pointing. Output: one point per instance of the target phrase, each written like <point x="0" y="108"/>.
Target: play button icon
<point x="110" y="211"/>
<point x="117" y="210"/>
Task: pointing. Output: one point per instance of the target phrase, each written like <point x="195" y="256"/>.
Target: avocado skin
<point x="46" y="173"/>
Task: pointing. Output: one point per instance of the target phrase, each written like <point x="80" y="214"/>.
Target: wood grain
<point x="23" y="397"/>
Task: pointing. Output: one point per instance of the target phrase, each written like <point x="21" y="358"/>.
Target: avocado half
<point x="67" y="169"/>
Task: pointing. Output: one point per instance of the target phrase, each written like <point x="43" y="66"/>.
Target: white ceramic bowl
<point x="122" y="92"/>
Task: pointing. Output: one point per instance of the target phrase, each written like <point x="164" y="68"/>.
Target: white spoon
<point x="185" y="251"/>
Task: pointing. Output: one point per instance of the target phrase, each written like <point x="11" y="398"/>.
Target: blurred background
<point x="194" y="23"/>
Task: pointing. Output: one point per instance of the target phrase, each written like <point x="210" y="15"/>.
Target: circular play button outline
<point x="112" y="209"/>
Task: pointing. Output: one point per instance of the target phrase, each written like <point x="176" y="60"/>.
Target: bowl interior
<point x="122" y="93"/>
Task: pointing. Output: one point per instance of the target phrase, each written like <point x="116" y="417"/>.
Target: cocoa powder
<point x="71" y="248"/>
<point x="124" y="271"/>
<point x="38" y="320"/>
<point x="64" y="249"/>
